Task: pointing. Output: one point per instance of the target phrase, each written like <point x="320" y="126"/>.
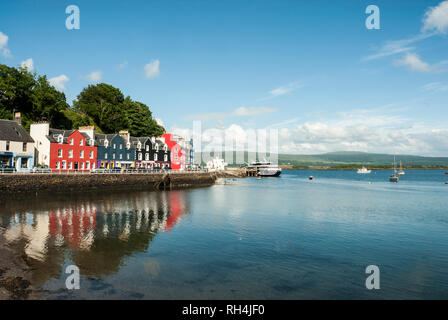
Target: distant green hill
<point x="350" y="158"/>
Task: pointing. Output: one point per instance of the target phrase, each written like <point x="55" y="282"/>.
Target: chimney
<point x="125" y="135"/>
<point x="89" y="130"/>
<point x="18" y="117"/>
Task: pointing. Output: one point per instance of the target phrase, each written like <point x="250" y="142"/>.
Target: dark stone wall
<point x="25" y="183"/>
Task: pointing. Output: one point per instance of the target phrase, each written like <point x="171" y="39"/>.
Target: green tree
<point x="33" y="96"/>
<point x="140" y="121"/>
<point x="105" y="105"/>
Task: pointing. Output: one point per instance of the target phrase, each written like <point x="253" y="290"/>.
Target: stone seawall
<point x="26" y="183"/>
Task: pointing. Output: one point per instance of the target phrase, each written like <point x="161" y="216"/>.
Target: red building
<point x="71" y="150"/>
<point x="178" y="159"/>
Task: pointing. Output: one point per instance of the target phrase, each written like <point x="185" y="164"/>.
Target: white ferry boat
<point x="265" y="168"/>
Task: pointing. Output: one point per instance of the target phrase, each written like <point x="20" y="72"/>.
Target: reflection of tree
<point x="98" y="233"/>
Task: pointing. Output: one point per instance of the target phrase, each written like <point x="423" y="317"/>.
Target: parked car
<point x="98" y="170"/>
<point x="4" y="168"/>
<point x="115" y="170"/>
<point x="41" y="170"/>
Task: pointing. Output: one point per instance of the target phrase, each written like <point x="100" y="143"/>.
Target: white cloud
<point x="436" y="18"/>
<point x="380" y="130"/>
<point x="159" y="121"/>
<point x="239" y="112"/>
<point x="123" y="65"/>
<point x="95" y="76"/>
<point x="390" y="48"/>
<point x="413" y="61"/>
<point x="152" y="69"/>
<point x="282" y="90"/>
<point x="4" y="45"/>
<point x="435" y="87"/>
<point x="59" y="81"/>
<point x="28" y="64"/>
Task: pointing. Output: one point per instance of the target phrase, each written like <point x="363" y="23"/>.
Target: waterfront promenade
<point x="20" y="183"/>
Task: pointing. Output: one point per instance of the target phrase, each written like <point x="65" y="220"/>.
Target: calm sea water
<point x="274" y="238"/>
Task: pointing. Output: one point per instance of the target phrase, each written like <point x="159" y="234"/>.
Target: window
<point x="64" y="164"/>
<point x="139" y="146"/>
<point x="113" y="155"/>
<point x="58" y="165"/>
<point x="92" y="142"/>
<point x="165" y="147"/>
<point x="24" y="147"/>
<point x="91" y="154"/>
<point x="157" y="147"/>
<point x="115" y="146"/>
<point x="70" y="166"/>
<point x="60" y="139"/>
<point x="176" y="157"/>
<point x="81" y="142"/>
<point x="147" y="157"/>
<point x="140" y="156"/>
<point x="106" y="143"/>
<point x="7" y="145"/>
<point x="155" y="156"/>
<point x="121" y="146"/>
<point x="128" y="156"/>
<point x="121" y="156"/>
<point x="165" y="158"/>
<point x="70" y="153"/>
<point x="60" y="153"/>
<point x="72" y="142"/>
<point x="147" y="148"/>
<point x="81" y="154"/>
<point x="82" y="165"/>
<point x="128" y="145"/>
<point x="88" y="165"/>
<point x="105" y="155"/>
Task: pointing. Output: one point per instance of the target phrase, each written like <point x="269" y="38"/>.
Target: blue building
<point x="114" y="150"/>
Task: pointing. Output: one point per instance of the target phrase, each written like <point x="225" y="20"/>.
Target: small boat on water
<point x="363" y="170"/>
<point x="265" y="168"/>
<point x="394" y="177"/>
<point x="401" y="171"/>
<point x="310" y="178"/>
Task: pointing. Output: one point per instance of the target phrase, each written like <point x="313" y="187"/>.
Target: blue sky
<point x="308" y="68"/>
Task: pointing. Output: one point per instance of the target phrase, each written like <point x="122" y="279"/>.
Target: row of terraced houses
<point x="83" y="149"/>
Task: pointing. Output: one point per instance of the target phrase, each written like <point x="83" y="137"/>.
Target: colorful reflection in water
<point x="94" y="234"/>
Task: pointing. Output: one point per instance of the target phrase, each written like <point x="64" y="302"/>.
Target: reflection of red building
<point x="177" y="208"/>
<point x="74" y="224"/>
<point x="178" y="159"/>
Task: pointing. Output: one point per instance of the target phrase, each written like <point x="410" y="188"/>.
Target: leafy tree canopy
<point x="31" y="95"/>
<point x="112" y="112"/>
<point x="101" y="105"/>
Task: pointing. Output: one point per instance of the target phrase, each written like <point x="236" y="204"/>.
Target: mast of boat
<point x="395" y="169"/>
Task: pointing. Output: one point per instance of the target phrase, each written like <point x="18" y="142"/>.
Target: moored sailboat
<point x="394" y="177"/>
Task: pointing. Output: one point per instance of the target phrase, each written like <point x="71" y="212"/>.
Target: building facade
<point x="71" y="150"/>
<point x="162" y="153"/>
<point x="177" y="154"/>
<point x="114" y="151"/>
<point x="16" y="145"/>
<point x="63" y="150"/>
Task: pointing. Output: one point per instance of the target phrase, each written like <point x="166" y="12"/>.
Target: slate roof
<point x="100" y="138"/>
<point x="54" y="133"/>
<point x="12" y="131"/>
